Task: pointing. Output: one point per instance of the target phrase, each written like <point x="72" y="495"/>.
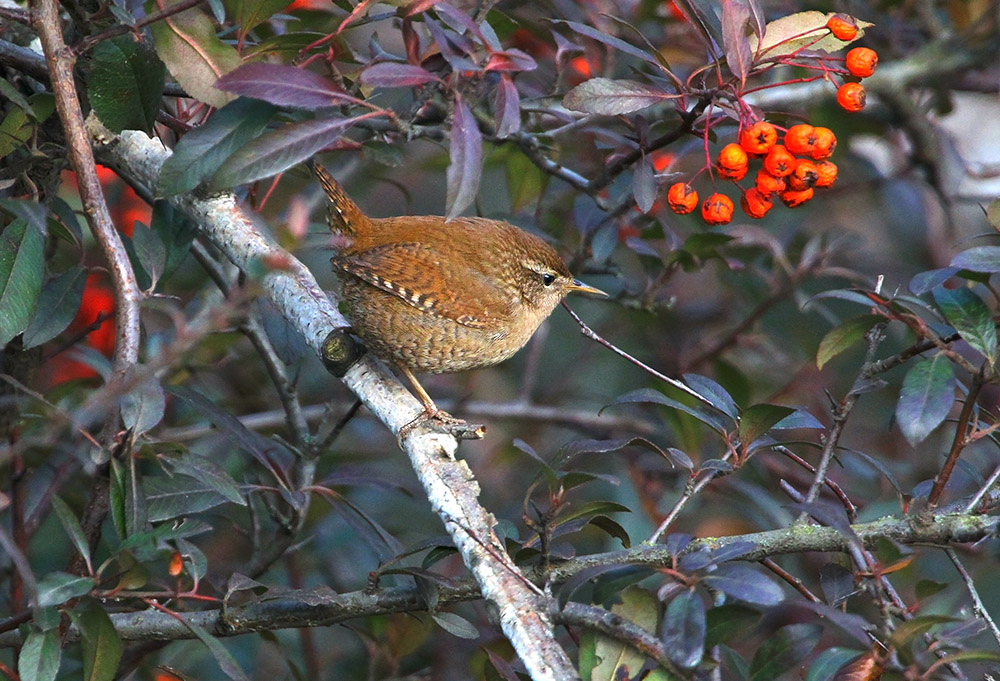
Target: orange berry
<point x="755" y="204"/>
<point x="768" y="184"/>
<point x="717" y="209"/>
<point x="779" y="161"/>
<point x="794" y="199"/>
<point x="800" y="139"/>
<point x="176" y="564"/>
<point x="842" y="27"/>
<point x="861" y="62"/>
<point x="682" y="198"/>
<point x="826" y="142"/>
<point x="758" y="138"/>
<point x="734" y="174"/>
<point x="851" y="97"/>
<point x="826" y="173"/>
<point x="733" y="162"/>
<point x="804" y="176"/>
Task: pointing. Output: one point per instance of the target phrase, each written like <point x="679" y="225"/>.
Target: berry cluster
<point x="789" y="171"/>
<point x="860" y="62"/>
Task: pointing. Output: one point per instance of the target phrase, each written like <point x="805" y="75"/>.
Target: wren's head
<point x="542" y="278"/>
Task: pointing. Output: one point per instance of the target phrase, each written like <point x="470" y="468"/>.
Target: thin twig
<point x="619" y="628"/>
<point x="983" y="491"/>
<point x="120" y="29"/>
<point x="977" y="603"/>
<point x="959" y="441"/>
<point x="840" y="415"/>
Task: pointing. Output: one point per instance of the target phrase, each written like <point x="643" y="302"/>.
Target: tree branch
<point x="322" y="607"/>
<point x="448" y="483"/>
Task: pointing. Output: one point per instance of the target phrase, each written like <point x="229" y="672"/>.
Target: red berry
<point x="717" y="209"/>
<point x="851" y="97"/>
<point x="682" y="198"/>
<point x="861" y="62"/>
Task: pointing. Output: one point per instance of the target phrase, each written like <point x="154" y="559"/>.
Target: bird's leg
<point x="457" y="427"/>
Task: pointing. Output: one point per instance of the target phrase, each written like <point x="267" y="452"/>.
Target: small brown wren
<point x="438" y="296"/>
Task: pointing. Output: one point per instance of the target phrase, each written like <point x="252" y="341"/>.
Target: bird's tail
<point x="345" y="216"/>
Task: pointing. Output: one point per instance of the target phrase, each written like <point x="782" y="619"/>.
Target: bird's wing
<point x="414" y="273"/>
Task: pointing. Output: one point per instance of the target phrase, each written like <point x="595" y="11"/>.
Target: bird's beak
<point x="579" y="287"/>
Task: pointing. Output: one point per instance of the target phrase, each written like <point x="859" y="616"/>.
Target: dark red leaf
<point x="283" y="86"/>
<point x="508" y="107"/>
<point x="466" y="154"/>
<point x="279" y="150"/>
<point x="510" y="60"/>
<point x="394" y="74"/>
<point x="735" y="17"/>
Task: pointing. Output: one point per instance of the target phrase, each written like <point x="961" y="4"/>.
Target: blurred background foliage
<point x="198" y="497"/>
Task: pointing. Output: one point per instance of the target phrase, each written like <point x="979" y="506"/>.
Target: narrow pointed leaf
<point x="396" y="74"/>
<point x="844" y="335"/>
<point x="466" y="156"/>
<point x="279" y="150"/>
<point x="610" y="97"/>
<point x="203" y="150"/>
<point x="39" y="657"/>
<point x="735" y="19"/>
<point x="22" y="266"/>
<point x="72" y="527"/>
<point x="283" y="86"/>
<point x="102" y="648"/>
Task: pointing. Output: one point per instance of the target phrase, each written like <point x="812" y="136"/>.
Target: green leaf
<point x="640" y="607"/>
<point x="250" y="13"/>
<point x="758" y="419"/>
<point x="125" y="84"/>
<point x="22" y="266"/>
<point x="178" y="497"/>
<point x="143" y="406"/>
<point x="15" y="96"/>
<point x="455" y="625"/>
<point x="278" y="151"/>
<point x="19" y="125"/>
<point x="56" y="588"/>
<point x="844" y="335"/>
<point x="150" y="252"/>
<point x="783" y="650"/>
<point x="203" y="150"/>
<point x="729" y="620"/>
<point x="926" y="398"/>
<point x="58" y="303"/>
<point x="226" y="662"/>
<point x="73" y="529"/>
<point x="175" y="230"/>
<point x="211" y="474"/>
<point x="102" y="648"/>
<point x="918" y="626"/>
<point x="193" y="53"/>
<point x="525" y="181"/>
<point x="40" y="656"/>
<point x="828" y="662"/>
<point x="971" y="318"/>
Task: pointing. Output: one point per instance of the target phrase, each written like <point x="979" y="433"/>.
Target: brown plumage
<point x="435" y="296"/>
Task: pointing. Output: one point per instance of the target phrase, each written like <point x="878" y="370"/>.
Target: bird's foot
<point x="440" y="420"/>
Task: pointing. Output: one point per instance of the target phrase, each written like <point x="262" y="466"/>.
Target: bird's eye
<point x="548" y="278"/>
